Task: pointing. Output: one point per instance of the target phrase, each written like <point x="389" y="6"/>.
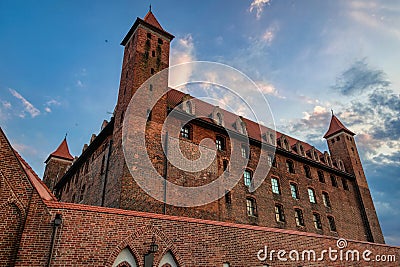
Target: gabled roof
<point x="61" y="152"/>
<point x="37" y="183"/>
<point x="151" y="19"/>
<point x="254" y="130"/>
<point x="335" y="127"/>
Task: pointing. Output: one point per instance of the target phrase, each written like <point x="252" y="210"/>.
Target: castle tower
<point x="146" y="52"/>
<point x="57" y="164"/>
<point x="342" y="146"/>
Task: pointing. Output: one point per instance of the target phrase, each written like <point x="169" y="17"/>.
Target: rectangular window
<point x="185" y="132"/>
<point x="247" y="177"/>
<point x="298" y="214"/>
<point x="228" y="198"/>
<point x="332" y="224"/>
<point x="325" y="198"/>
<point x="251" y="207"/>
<point x="334" y="181"/>
<point x="270" y="159"/>
<point x="220" y="143"/>
<point x="321" y="177"/>
<point x="279" y="215"/>
<point x="311" y="195"/>
<point x="245" y="152"/>
<point x="275" y="186"/>
<point x="317" y="221"/>
<point x="345" y="185"/>
<point x="293" y="190"/>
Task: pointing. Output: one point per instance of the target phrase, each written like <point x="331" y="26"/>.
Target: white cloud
<point x="258" y="6"/>
<point x="268" y="89"/>
<point x="270" y="34"/>
<point x="53" y="102"/>
<point x="47" y="109"/>
<point x="27" y="105"/>
<point x="182" y="51"/>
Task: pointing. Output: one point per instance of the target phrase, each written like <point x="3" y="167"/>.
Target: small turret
<point x="57" y="163"/>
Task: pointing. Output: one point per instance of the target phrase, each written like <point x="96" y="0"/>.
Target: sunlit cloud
<point x="258" y="6"/>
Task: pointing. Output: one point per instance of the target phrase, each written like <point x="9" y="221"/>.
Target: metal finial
<point x="332" y="111"/>
<point x="65" y="135"/>
<point x="150" y="8"/>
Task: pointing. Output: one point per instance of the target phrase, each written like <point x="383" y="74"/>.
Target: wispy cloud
<point x="258" y="6"/>
<point x="182" y="51"/>
<point x="270" y="33"/>
<point x="28" y="107"/>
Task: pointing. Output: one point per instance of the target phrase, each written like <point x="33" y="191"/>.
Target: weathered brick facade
<point x="101" y="176"/>
<point x="99" y="236"/>
<point x="104" y="218"/>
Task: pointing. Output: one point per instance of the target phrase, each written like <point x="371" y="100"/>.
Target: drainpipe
<point x="165" y="173"/>
<point x="56" y="223"/>
<point x="103" y="196"/>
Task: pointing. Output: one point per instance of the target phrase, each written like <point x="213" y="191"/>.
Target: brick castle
<point x="90" y="211"/>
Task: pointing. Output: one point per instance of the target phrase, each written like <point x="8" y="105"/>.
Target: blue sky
<point x="60" y="64"/>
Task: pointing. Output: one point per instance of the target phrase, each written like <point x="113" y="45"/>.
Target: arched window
<point x="326" y="200"/>
<point x="168" y="260"/>
<point x="311" y="195"/>
<point x="298" y="214"/>
<point x="251" y="207"/>
<point x="332" y="224"/>
<point x="219" y="119"/>
<point x="125" y="259"/>
<point x="247" y="177"/>
<point x="307" y="171"/>
<point x="188" y="107"/>
<point x="289" y="166"/>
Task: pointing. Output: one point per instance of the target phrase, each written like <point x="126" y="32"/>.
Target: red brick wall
<point x="95" y="236"/>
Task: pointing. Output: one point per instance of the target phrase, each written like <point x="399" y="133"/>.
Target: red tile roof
<point x="254" y="130"/>
<point x="36" y="182"/>
<point x="335" y="127"/>
<point x="151" y="19"/>
<point x="61" y="152"/>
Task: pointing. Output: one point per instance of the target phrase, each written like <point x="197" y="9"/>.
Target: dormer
<point x="240" y="125"/>
<point x="299" y="149"/>
<point x="313" y="154"/>
<point x="217" y="116"/>
<point x="340" y="165"/>
<point x="188" y="104"/>
<point x="284" y="142"/>
<point x="328" y="160"/>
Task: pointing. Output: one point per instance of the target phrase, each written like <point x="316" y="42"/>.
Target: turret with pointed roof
<point x="336" y="126"/>
<point x="342" y="146"/>
<point x="57" y="163"/>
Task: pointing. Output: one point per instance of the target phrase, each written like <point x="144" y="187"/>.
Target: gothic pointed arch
<point x="125" y="259"/>
<point x="168" y="260"/>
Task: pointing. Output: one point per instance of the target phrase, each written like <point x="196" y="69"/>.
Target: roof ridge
<point x="37" y="183"/>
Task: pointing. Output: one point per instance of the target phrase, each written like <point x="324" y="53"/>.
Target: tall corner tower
<point x="57" y="164"/>
<point x="146" y="52"/>
<point x="342" y="146"/>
